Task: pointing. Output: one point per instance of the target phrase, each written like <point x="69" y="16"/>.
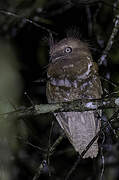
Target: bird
<point x="72" y="75"/>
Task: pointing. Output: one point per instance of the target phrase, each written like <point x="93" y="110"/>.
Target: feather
<point x="81" y="128"/>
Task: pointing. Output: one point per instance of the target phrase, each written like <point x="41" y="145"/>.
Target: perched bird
<point x="73" y="75"/>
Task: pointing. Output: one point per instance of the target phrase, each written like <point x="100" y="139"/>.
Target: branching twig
<point x="50" y="152"/>
<point x="110" y="41"/>
<point x="27" y="20"/>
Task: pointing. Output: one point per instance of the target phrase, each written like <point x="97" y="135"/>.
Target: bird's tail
<point x="80" y="128"/>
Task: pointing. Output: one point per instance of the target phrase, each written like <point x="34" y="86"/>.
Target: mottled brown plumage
<point x="73" y="75"/>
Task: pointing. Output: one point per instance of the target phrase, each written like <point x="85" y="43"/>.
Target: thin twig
<point x="28" y="20"/>
<point x="49" y="153"/>
<point x="27" y="142"/>
<point x="103" y="164"/>
<point x="49" y="144"/>
<point x="40" y="170"/>
<point x="93" y="2"/>
<point x="89" y="21"/>
<point x="57" y="142"/>
<point x="67" y="5"/>
<point x="73" y="168"/>
<point x="109" y="81"/>
<point x="110" y="42"/>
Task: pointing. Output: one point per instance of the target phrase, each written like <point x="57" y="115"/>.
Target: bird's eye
<point x="68" y="49"/>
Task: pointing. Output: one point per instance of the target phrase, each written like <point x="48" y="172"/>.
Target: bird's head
<point x="69" y="49"/>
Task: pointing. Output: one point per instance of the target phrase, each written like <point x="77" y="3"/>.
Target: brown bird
<point x="73" y="75"/>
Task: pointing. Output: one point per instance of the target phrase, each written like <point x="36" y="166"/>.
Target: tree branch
<point x="77" y="106"/>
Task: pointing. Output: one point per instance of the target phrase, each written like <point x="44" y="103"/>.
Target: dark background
<point x="24" y="56"/>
